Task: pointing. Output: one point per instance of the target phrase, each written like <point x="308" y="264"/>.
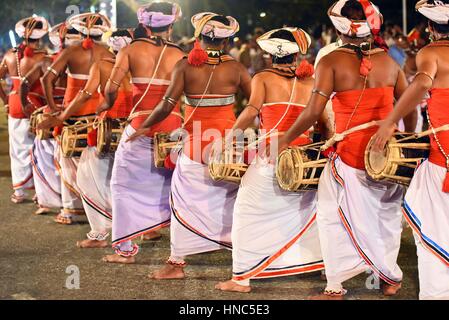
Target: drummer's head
<point x="215" y="41"/>
<point x="286" y="35"/>
<point x="437" y="30"/>
<point x="353" y="10"/>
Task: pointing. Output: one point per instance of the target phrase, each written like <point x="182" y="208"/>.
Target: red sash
<point x="74" y="86"/>
<point x="439" y="116"/>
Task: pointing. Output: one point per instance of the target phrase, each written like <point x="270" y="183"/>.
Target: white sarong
<point x="426" y="209"/>
<point x="359" y="223"/>
<point x="71" y="198"/>
<point x="93" y="180"/>
<point x="47" y="180"/>
<point x="274" y="232"/>
<point x="20" y="146"/>
<point x="140" y="192"/>
<point x="201" y="210"/>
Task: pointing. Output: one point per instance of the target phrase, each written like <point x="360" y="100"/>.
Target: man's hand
<point x="28" y="110"/>
<point x="282" y="145"/>
<point x="7" y="109"/>
<point x="102" y="108"/>
<point x="383" y="135"/>
<point x="57" y="108"/>
<point x="139" y="133"/>
<point x="50" y="122"/>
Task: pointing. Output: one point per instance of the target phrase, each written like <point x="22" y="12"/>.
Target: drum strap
<point x="149" y="85"/>
<point x="340" y="136"/>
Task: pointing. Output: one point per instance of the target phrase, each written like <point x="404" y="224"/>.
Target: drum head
<point x="378" y="160"/>
<point x="65" y="142"/>
<point x="289" y="169"/>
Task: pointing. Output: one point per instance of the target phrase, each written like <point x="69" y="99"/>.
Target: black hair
<point x="140" y="32"/>
<point x="163" y="7"/>
<point x="216" y="41"/>
<point x="440" y="28"/>
<point x="287" y="35"/>
<point x="72" y="31"/>
<point x="38" y="25"/>
<point x="353" y="10"/>
<point x="122" y="33"/>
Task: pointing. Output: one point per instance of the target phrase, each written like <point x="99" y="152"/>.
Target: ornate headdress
<point x="157" y="19"/>
<point x="203" y="24"/>
<point x="90" y="24"/>
<point x="437" y="11"/>
<point x="26" y="28"/>
<point x="116" y="43"/>
<point x="282" y="47"/>
<point x="59" y="35"/>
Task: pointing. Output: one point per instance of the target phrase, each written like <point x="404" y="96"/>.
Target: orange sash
<point x="15" y="106"/>
<point x="376" y="104"/>
<point x="149" y="102"/>
<point x="439" y="116"/>
<point x="74" y="86"/>
<point x="36" y="95"/>
<point x="271" y="114"/>
<point x="216" y="118"/>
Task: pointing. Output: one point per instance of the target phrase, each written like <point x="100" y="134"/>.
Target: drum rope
<point x="340" y="136"/>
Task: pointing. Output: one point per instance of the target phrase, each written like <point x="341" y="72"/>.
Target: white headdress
<point x="87" y="24"/>
<point x="158" y="19"/>
<point x="26" y="28"/>
<point x="282" y="47"/>
<point x="214" y="29"/>
<point x="437" y="11"/>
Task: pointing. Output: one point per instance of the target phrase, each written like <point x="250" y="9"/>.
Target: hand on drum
<point x="102" y="108"/>
<point x="139" y="133"/>
<point x="28" y="109"/>
<point x="50" y="122"/>
<point x="282" y="145"/>
<point x="383" y="135"/>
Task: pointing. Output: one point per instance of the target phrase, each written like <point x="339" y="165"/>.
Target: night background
<point x="309" y="14"/>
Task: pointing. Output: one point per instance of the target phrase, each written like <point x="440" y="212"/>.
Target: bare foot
<point x="91" y="244"/>
<point x="115" y="258"/>
<point x="151" y="236"/>
<point x="168" y="272"/>
<point x="231" y="286"/>
<point x="17" y="199"/>
<point x="63" y="220"/>
<point x="35" y="199"/>
<point x="391" y="290"/>
<point x="42" y="211"/>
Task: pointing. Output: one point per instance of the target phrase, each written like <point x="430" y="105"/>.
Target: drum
<point x="400" y="158"/>
<point x="109" y="134"/>
<point x="33" y="120"/>
<point x="163" y="146"/>
<point x="231" y="164"/>
<point x="299" y="168"/>
<point x="42" y="134"/>
<point x="74" y="138"/>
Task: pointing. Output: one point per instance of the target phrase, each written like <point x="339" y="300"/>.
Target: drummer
<point x="359" y="220"/>
<point x="77" y="58"/>
<point x="426" y="205"/>
<point x="47" y="181"/>
<point x="94" y="172"/>
<point x="201" y="209"/>
<point x="270" y="222"/>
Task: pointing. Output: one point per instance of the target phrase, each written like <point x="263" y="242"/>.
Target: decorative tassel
<point x="365" y="67"/>
<point x="88" y="44"/>
<point x="28" y="52"/>
<point x="305" y="70"/>
<point x="57" y="132"/>
<point x="168" y="163"/>
<point x="197" y="57"/>
<point x="446" y="183"/>
<point x="92" y="138"/>
<point x="328" y="152"/>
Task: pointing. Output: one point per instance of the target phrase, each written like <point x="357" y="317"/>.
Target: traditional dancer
<point x="47" y="181"/>
<point x="16" y="63"/>
<point x="77" y="59"/>
<point x="426" y="205"/>
<point x="359" y="220"/>
<point x="274" y="232"/>
<point x="140" y="191"/>
<point x="201" y="209"/>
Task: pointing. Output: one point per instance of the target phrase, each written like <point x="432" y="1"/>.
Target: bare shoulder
<point x="329" y="59"/>
<point x="427" y="52"/>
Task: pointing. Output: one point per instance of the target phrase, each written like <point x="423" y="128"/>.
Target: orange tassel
<point x="57" y="132"/>
<point x="168" y="163"/>
<point x="305" y="70"/>
<point x="446" y="183"/>
<point x="365" y="67"/>
<point x="88" y="44"/>
<point x="197" y="57"/>
<point x="28" y="52"/>
<point x="92" y="138"/>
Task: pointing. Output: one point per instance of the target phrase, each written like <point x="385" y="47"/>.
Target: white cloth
<point x="93" y="179"/>
<point x="67" y="168"/>
<point x="201" y="210"/>
<point x="437" y="11"/>
<point x="282" y="47"/>
<point x="274" y="232"/>
<point x="47" y="180"/>
<point x="426" y="209"/>
<point x="359" y="223"/>
<point x="20" y="146"/>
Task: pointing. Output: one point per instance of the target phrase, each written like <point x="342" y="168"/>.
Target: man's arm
<point x="427" y="69"/>
<point x="51" y="75"/>
<point x="324" y="83"/>
<point x="166" y="106"/>
<point x="121" y="69"/>
<point x="27" y="83"/>
<point x="411" y="119"/>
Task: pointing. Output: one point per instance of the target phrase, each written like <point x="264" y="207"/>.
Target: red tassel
<point x="88" y="44"/>
<point x="328" y="152"/>
<point x="305" y="70"/>
<point x="446" y="183"/>
<point x="28" y="52"/>
<point x="365" y="67"/>
<point x="197" y="57"/>
<point x="92" y="138"/>
<point x="168" y="163"/>
<point x="57" y="132"/>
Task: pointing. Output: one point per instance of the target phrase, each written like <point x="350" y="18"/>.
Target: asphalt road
<point x="36" y="253"/>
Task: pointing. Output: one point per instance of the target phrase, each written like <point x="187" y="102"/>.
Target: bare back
<point x="80" y="60"/>
<point x="105" y="67"/>
<point x="26" y="63"/>
<point x="280" y="89"/>
<point x="440" y="57"/>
